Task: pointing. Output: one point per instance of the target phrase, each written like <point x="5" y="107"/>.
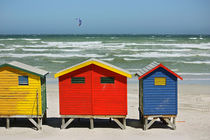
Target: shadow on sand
<point x="55" y="122"/>
<point x="18" y="122"/>
<point x="135" y="123"/>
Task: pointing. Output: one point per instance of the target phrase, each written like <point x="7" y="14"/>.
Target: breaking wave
<point x="52" y="55"/>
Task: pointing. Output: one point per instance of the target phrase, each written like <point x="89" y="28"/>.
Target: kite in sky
<point x="79" y="21"/>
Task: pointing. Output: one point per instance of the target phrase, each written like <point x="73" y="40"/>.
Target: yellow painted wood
<point x="19" y="99"/>
<point x="161" y="81"/>
<point x="96" y="63"/>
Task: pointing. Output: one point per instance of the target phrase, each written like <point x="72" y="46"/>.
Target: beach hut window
<point x="23" y="80"/>
<point x="76" y="80"/>
<point x="160" y="81"/>
<point x="107" y="80"/>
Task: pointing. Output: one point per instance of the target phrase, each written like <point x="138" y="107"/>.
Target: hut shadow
<point x="17" y="123"/>
<point x="25" y="123"/>
<point x="54" y="122"/>
<point x="135" y="123"/>
<point x="160" y="125"/>
<point x="82" y="123"/>
<point x="98" y="123"/>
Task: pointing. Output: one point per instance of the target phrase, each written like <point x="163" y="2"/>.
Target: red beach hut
<point x="93" y="89"/>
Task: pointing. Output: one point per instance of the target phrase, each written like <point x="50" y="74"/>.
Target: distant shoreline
<point x="175" y="35"/>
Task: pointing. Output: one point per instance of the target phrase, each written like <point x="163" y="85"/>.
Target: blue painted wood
<point x="159" y="100"/>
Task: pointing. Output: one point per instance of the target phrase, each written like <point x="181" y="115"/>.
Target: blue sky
<point x="105" y="16"/>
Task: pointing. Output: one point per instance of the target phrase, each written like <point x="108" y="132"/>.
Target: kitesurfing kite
<point x="79" y="21"/>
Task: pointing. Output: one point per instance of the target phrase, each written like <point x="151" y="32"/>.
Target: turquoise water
<point x="187" y="55"/>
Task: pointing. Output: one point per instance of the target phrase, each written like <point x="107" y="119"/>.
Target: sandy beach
<point x="192" y="121"/>
<point x="87" y="46"/>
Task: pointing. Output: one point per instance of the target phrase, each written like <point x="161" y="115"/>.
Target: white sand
<point x="193" y="121"/>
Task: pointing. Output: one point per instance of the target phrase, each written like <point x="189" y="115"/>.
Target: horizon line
<point x="111" y="34"/>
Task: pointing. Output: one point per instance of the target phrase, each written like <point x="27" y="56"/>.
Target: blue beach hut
<point x="157" y="94"/>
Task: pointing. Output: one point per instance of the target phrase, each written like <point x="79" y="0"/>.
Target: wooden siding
<point x="109" y="99"/>
<point x="160" y="99"/>
<point x="44" y="95"/>
<point x="18" y="99"/>
<point x="141" y="95"/>
<point x="93" y="97"/>
<point x="76" y="99"/>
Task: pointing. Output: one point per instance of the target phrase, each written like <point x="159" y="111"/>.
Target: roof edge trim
<point x="15" y="67"/>
<point x="161" y="65"/>
<point x="89" y="62"/>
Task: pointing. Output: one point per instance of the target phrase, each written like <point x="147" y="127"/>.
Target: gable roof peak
<point x="26" y="68"/>
<point x="151" y="67"/>
<point x="97" y="62"/>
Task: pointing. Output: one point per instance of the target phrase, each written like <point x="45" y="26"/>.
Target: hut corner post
<point x="39" y="120"/>
<point x="121" y="122"/>
<point x="7" y="123"/>
<point x="37" y="124"/>
<point x="65" y="124"/>
<point x="91" y="123"/>
<point x="169" y="120"/>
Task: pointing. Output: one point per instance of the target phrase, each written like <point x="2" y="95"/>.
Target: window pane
<point x="160" y="81"/>
<point x="75" y="80"/>
<point x="107" y="80"/>
<point x="23" y="80"/>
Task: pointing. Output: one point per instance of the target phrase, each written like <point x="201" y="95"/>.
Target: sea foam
<point x="35" y="50"/>
<point x="196" y="62"/>
<point x="155" y="55"/>
<point x="12" y="49"/>
<point x="193" y="38"/>
<point x="197" y="46"/>
<point x="59" y="61"/>
<point x="52" y="55"/>
<point x="131" y="59"/>
<point x="27" y="39"/>
<point x="107" y="59"/>
<point x="30" y="39"/>
<point x="198" y="74"/>
<point x="8" y="39"/>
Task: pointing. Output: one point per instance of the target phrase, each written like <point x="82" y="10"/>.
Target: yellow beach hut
<point x="22" y="93"/>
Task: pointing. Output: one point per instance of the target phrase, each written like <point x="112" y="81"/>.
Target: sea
<point x="187" y="55"/>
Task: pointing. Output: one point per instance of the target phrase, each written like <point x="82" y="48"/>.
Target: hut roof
<point x="26" y="68"/>
<point x="96" y="62"/>
<point x="151" y="67"/>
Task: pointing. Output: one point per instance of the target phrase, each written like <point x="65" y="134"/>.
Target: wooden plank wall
<point x="93" y="97"/>
<point x="19" y="99"/>
<point x="44" y="96"/>
<point x="161" y="99"/>
<point x="109" y="98"/>
<point x="75" y="99"/>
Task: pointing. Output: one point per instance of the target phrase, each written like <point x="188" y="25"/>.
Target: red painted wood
<point x="75" y="99"/>
<point x="109" y="99"/>
<point x="93" y="98"/>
